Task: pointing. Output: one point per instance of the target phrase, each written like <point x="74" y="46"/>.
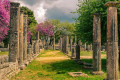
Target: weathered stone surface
<point x="112" y="41"/>
<point x="77" y="52"/>
<point x="77" y="74"/>
<point x="63" y="44"/>
<point x="14" y="32"/>
<point x="29" y="52"/>
<point x="73" y="52"/>
<point x="1" y="45"/>
<point x="7" y="72"/>
<point x="25" y="38"/>
<point x="96" y="42"/>
<point x="66" y="44"/>
<point x="21" y="38"/>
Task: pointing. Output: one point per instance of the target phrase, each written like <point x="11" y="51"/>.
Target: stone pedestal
<point x="96" y="43"/>
<point x="14" y="32"/>
<point x="112" y="41"/>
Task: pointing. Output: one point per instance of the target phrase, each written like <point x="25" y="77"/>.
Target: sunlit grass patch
<point x="4" y="53"/>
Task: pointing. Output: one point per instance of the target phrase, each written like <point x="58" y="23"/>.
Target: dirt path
<point x="52" y="56"/>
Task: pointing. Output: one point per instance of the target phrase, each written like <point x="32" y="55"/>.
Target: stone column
<point x="66" y="44"/>
<point x="14" y="32"/>
<point x="61" y="43"/>
<point x="21" y="40"/>
<point x="37" y="35"/>
<point x="25" y="38"/>
<point x="71" y="41"/>
<point x="77" y="52"/>
<point x="44" y="43"/>
<point x="75" y="39"/>
<point x="29" y="52"/>
<point x="54" y="43"/>
<point x="96" y="44"/>
<point x="112" y="41"/>
<point x="74" y="50"/>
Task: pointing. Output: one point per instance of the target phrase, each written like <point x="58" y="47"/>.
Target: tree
<point x="4" y="18"/>
<point x="45" y="28"/>
<point x="32" y="23"/>
<point x="62" y="28"/>
<point x="84" y="22"/>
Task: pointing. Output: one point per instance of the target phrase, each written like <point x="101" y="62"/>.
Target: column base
<point x="97" y="72"/>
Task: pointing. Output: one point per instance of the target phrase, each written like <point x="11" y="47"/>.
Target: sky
<point x="51" y="9"/>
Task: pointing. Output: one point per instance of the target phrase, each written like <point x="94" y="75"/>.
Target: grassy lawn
<point x="4" y="53"/>
<point x="56" y="69"/>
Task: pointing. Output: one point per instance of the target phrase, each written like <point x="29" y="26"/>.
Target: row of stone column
<point x="18" y="50"/>
<point x="112" y="42"/>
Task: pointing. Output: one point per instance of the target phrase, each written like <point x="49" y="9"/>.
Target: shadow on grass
<point x="72" y="66"/>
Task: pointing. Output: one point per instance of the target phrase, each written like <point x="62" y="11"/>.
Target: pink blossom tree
<point x="4" y="18"/>
<point x="45" y="28"/>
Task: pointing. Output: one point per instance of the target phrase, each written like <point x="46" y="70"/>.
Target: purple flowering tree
<point x="46" y="28"/>
<point x="4" y="18"/>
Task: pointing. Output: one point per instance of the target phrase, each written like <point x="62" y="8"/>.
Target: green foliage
<point x="84" y="23"/>
<point x="62" y="28"/>
<point x="31" y="20"/>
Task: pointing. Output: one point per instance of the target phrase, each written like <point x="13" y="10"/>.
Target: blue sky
<point x="51" y="9"/>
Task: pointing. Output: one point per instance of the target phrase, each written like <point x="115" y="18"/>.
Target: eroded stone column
<point x="112" y="41"/>
<point x="78" y="52"/>
<point x="25" y="38"/>
<point x="37" y="35"/>
<point x="21" y="38"/>
<point x="14" y="32"/>
<point x="97" y="44"/>
<point x="66" y="44"/>
<point x="71" y="41"/>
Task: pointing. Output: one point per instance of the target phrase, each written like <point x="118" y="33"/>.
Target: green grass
<point x="4" y="53"/>
<point x="88" y="53"/>
<point x="57" y="70"/>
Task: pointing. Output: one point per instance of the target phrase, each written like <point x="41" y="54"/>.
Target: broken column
<point x="112" y="41"/>
<point x="96" y="44"/>
<point x="25" y="38"/>
<point x="14" y="32"/>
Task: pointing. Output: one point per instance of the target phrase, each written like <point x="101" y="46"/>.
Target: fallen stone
<point x="77" y="74"/>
